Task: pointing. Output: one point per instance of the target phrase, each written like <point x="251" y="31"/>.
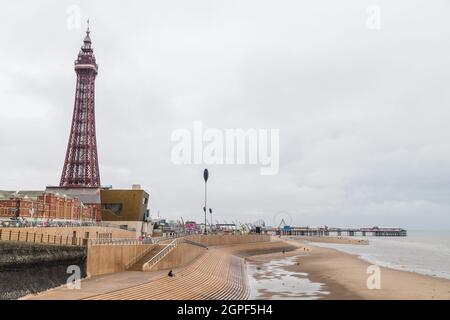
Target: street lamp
<point x="210" y="212"/>
<point x="205" y="177"/>
<point x="204" y="210"/>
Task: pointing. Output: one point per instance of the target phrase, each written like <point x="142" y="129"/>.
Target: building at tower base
<point x="127" y="208"/>
<point x="90" y="197"/>
<point x="38" y="207"/>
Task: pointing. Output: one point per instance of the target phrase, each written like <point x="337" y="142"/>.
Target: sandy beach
<point x="345" y="275"/>
<point x="340" y="240"/>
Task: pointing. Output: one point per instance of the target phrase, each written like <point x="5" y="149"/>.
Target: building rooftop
<point x="27" y="194"/>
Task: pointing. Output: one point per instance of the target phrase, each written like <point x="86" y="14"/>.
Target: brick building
<point x="43" y="205"/>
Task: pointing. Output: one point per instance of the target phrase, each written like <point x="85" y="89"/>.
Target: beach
<point x="344" y="276"/>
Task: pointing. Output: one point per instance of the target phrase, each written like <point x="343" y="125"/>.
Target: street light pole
<point x="210" y="212"/>
<point x="205" y="177"/>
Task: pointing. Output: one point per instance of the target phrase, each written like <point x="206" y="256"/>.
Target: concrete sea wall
<point x="27" y="268"/>
<point x="182" y="255"/>
<point x="104" y="259"/>
<point x="228" y="239"/>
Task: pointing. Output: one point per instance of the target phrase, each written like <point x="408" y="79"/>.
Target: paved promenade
<point x="219" y="273"/>
<point x="214" y="275"/>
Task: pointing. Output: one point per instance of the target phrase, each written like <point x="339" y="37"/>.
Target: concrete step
<point x="214" y="275"/>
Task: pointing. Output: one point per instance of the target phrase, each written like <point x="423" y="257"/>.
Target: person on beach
<point x="170" y="274"/>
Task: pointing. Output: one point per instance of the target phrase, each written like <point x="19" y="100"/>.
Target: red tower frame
<point x="81" y="164"/>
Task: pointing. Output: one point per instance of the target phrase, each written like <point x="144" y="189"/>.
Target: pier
<point x="351" y="232"/>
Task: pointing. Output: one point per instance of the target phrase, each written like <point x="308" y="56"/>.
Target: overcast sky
<point x="363" y="113"/>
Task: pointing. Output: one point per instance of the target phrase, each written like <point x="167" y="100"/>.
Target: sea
<point x="423" y="252"/>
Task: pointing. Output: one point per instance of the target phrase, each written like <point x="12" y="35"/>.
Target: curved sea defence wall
<point x="227" y="239"/>
<point x="215" y="274"/>
<point x="182" y="255"/>
<point x="27" y="268"/>
<point x="110" y="258"/>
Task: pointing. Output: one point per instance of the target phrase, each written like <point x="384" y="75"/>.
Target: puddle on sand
<point x="270" y="280"/>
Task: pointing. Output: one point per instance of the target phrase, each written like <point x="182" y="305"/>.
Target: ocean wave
<point x="427" y="254"/>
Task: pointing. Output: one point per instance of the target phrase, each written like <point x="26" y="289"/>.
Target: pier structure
<point x="351" y="232"/>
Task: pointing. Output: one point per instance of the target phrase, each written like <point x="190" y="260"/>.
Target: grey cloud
<point x="363" y="115"/>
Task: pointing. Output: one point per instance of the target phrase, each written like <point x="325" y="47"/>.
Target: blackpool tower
<point x="81" y="164"/>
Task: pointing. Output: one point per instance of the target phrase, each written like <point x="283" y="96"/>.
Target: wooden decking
<point x="215" y="275"/>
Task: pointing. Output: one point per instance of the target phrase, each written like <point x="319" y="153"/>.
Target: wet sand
<point x="271" y="277"/>
<point x="345" y="276"/>
<point x="327" y="239"/>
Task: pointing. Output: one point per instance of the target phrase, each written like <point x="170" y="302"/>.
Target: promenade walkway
<point x="218" y="274"/>
<point x="214" y="275"/>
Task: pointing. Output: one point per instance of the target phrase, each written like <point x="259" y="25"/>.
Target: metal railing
<point x="116" y="241"/>
<point x="155" y="259"/>
<point x="22" y="235"/>
<point x="119" y="241"/>
<point x="195" y="243"/>
<point x="45" y="223"/>
<point x="40" y="235"/>
<point x="138" y="257"/>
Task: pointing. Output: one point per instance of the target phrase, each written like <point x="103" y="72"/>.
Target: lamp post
<point x="204" y="210"/>
<point x="210" y="212"/>
<point x="205" y="177"/>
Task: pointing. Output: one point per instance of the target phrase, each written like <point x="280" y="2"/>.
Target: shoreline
<point x="328" y="239"/>
<point x="345" y="275"/>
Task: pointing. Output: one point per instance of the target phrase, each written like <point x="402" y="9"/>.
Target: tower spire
<point x="87" y="42"/>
